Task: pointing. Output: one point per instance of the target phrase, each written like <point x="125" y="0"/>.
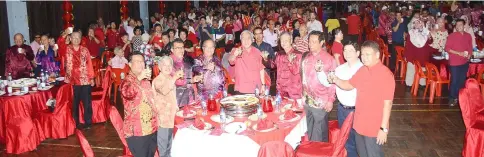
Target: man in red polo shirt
<point x="375" y="86"/>
<point x="354" y="23"/>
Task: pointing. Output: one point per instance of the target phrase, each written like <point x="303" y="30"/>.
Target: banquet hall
<point x="242" y="78"/>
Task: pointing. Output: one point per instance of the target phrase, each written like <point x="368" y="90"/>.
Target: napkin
<point x="217" y="131"/>
<point x="289" y="114"/>
<point x="186" y="111"/>
<point x="264" y="124"/>
<point x="199" y="124"/>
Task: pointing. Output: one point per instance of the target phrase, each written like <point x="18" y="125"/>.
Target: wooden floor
<point x="418" y="129"/>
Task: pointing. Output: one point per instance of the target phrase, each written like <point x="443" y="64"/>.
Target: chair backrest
<point x="432" y="72"/>
<point x="479" y="74"/>
<point x="470" y="101"/>
<point x="116" y="74"/>
<point x="276" y="149"/>
<point x="219" y="52"/>
<point x="343" y="135"/>
<point x="117" y="122"/>
<point x="106" y="57"/>
<point x="400" y="51"/>
<point x="63" y="97"/>
<point x="86" y="148"/>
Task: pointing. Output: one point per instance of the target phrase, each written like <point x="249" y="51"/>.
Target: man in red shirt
<point x="80" y="74"/>
<point x="459" y="47"/>
<point x="375" y="86"/>
<point x="93" y="44"/>
<point x="354" y="23"/>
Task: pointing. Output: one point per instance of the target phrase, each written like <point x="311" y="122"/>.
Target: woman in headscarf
<point x="417" y="49"/>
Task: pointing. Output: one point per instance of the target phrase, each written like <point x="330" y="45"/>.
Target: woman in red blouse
<point x="156" y="37"/>
<point x="112" y="35"/>
<point x="337" y="48"/>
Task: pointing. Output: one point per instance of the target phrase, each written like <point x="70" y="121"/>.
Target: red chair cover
<point x="100" y="106"/>
<point x="23" y="135"/>
<point x="470" y="100"/>
<point x="267" y="79"/>
<point x="333" y="131"/>
<point x="86" y="148"/>
<point x="59" y="124"/>
<point x="276" y="149"/>
<point x="106" y="78"/>
<point x="323" y="149"/>
<point x="117" y="122"/>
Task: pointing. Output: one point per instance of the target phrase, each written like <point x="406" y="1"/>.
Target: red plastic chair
<point x="471" y="104"/>
<point x="401" y="63"/>
<point x="323" y="149"/>
<point x="435" y="80"/>
<point x="419" y="74"/>
<point x="115" y="74"/>
<point x="85" y="146"/>
<point x="22" y="135"/>
<point x="219" y="52"/>
<point x="59" y="124"/>
<point x="276" y="149"/>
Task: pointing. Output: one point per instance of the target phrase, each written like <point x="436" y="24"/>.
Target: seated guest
<point x="19" y="58"/>
<point x="155" y="39"/>
<point x="125" y="44"/>
<point x="164" y="85"/>
<point x="187" y="43"/>
<point x="218" y="34"/>
<point x="184" y="89"/>
<point x="247" y="63"/>
<point x="118" y="61"/>
<point x="417" y="49"/>
<point x="136" y="41"/>
<point x="140" y="119"/>
<point x="287" y="62"/>
<point x="45" y="56"/>
<point x="210" y="68"/>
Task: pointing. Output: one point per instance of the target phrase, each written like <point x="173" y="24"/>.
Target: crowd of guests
<point x="314" y="66"/>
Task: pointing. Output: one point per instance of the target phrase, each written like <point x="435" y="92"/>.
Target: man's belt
<point x="347" y="107"/>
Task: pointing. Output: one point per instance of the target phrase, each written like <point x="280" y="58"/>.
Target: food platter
<point x="240" y="105"/>
<point x="22" y="82"/>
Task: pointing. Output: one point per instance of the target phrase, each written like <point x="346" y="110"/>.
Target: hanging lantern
<point x="162" y="7"/>
<point x="67" y="17"/>
<point x="124" y="10"/>
<point x="67" y="6"/>
<point x="187" y="7"/>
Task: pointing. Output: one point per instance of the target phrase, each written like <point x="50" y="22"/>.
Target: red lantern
<point x="124" y="3"/>
<point x="162" y="7"/>
<point x="68" y="24"/>
<point x="187" y="8"/>
<point x="67" y="6"/>
<point x="124" y="10"/>
<point x="67" y="17"/>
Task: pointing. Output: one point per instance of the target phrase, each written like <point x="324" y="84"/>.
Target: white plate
<point x="281" y="117"/>
<point x="45" y="88"/>
<point x="207" y="126"/>
<point x="180" y="114"/>
<point x="254" y="117"/>
<point x="438" y="57"/>
<point x="235" y="127"/>
<point x="216" y="118"/>
<point x="266" y="130"/>
<point x="475" y="60"/>
<point x="60" y="79"/>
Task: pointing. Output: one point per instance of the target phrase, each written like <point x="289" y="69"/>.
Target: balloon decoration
<point x="162" y="7"/>
<point x="124" y="10"/>
<point x="68" y="17"/>
<point x="187" y="7"/>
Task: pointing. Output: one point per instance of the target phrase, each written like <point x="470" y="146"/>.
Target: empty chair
<point x="85" y="146"/>
<point x="276" y="149"/>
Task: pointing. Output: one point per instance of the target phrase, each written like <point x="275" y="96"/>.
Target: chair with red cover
<point x="22" y="135"/>
<point x="324" y="149"/>
<point x="59" y="124"/>
<point x="100" y="106"/>
<point x="85" y="146"/>
<point x="276" y="149"/>
<point x="117" y="122"/>
<point x="471" y="104"/>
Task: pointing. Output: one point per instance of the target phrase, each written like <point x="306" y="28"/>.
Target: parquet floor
<point x="418" y="129"/>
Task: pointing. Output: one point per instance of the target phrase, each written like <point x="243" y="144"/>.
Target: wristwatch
<point x="385" y="130"/>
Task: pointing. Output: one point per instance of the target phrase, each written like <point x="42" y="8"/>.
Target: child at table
<point x="118" y="61"/>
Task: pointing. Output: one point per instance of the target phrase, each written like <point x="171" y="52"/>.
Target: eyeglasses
<point x="178" y="48"/>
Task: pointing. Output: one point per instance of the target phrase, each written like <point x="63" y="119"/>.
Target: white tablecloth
<point x="196" y="143"/>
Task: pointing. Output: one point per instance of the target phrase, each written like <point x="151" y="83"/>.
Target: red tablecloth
<point x="473" y="67"/>
<point x="259" y="137"/>
<point x="11" y="106"/>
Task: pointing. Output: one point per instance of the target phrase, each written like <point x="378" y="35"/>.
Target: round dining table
<point x="189" y="141"/>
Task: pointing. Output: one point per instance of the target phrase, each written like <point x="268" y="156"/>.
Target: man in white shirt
<point x="313" y="24"/>
<point x="346" y="98"/>
<point x="129" y="27"/>
<point x="271" y="35"/>
<point x="35" y="45"/>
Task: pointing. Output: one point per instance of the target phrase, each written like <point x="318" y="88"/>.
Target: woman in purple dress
<point x="210" y="68"/>
<point x="46" y="56"/>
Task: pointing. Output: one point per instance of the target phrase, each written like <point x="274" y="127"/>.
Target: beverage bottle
<point x="211" y="104"/>
<point x="223" y="116"/>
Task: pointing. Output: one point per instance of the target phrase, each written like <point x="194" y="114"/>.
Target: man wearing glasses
<point x="35" y="45"/>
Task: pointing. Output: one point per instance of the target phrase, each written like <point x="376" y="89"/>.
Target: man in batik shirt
<point x="18" y="58"/>
<point x="140" y="113"/>
<point x="80" y="74"/>
<point x="318" y="96"/>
